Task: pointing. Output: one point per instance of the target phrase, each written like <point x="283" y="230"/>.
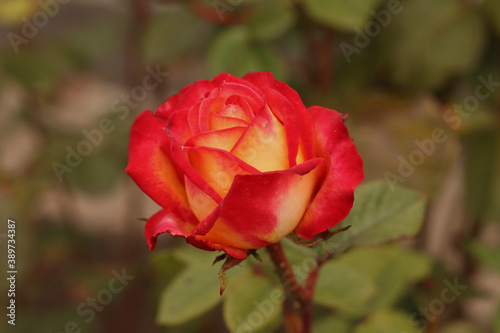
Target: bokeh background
<point x="74" y="71"/>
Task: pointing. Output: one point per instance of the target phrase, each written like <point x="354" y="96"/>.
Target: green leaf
<point x="487" y="256"/>
<point x="234" y="52"/>
<point x="192" y="293"/>
<point x="400" y="269"/>
<point x="380" y="214"/>
<point x="164" y="42"/>
<point x="341" y="14"/>
<point x="387" y="321"/>
<point x="377" y="275"/>
<point x="331" y="324"/>
<point x="342" y="287"/>
<point x="166" y="265"/>
<point x="253" y="304"/>
<point x="425" y="55"/>
<point x="272" y="19"/>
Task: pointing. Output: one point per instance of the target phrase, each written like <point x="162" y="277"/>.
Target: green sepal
<point x="229" y="263"/>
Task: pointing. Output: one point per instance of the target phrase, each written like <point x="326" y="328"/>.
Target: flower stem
<point x="298" y="300"/>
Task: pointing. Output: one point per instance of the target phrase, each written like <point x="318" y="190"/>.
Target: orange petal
<point x="218" y="122"/>
<point x="201" y="203"/>
<point x="217" y="167"/>
<point x="263" y="145"/>
<point x="221" y="139"/>
<point x="234" y="111"/>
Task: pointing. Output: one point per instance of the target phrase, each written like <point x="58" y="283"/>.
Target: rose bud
<point x="239" y="163"/>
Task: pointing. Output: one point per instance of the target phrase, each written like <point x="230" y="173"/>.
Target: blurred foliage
<point x="426" y="55"/>
<point x="401" y="69"/>
<point x="380" y="213"/>
<point x="386" y="321"/>
<point x="486" y="255"/>
<point x="162" y="41"/>
<point x="342" y="15"/>
<point x="331" y="324"/>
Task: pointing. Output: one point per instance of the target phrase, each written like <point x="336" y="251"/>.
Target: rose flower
<point x="239" y="163"/>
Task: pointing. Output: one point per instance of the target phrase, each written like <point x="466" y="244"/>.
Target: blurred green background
<point x="420" y="80"/>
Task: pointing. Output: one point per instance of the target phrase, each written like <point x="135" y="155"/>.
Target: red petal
<point x="169" y="106"/>
<point x="195" y="92"/>
<point x="260" y="79"/>
<point x="166" y="221"/>
<point x="266" y="79"/>
<point x="150" y="164"/>
<point x="243" y="90"/>
<point x="193" y="118"/>
<point x="207" y="245"/>
<point x="230" y="250"/>
<point x="345" y="172"/>
<point x="213" y="115"/>
<point x="205" y="113"/>
<point x="186" y="98"/>
<point x="225" y="77"/>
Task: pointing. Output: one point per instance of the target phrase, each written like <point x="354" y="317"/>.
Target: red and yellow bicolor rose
<point x="239" y="163"/>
